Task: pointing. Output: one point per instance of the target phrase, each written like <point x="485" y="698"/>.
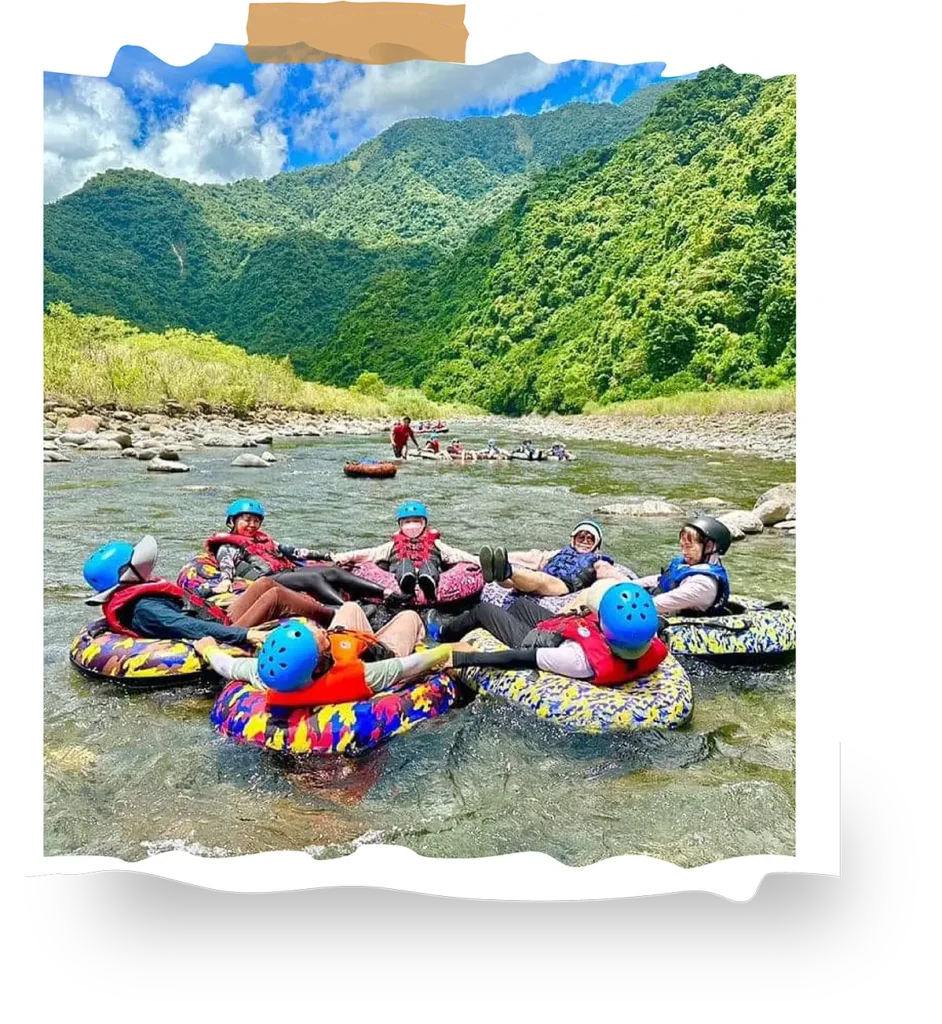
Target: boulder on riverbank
<point x="743" y="521"/>
<point x="164" y="466"/>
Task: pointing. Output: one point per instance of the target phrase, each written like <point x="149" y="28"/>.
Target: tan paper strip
<point x="377" y="33"/>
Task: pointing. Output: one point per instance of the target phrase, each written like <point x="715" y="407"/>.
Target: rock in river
<point x="250" y="460"/>
<point x="647" y="507"/>
<point x="164" y="466"/>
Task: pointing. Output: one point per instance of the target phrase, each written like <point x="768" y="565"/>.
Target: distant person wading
<point x="400" y="436"/>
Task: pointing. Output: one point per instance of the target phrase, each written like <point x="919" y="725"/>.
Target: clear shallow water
<point x="130" y="775"/>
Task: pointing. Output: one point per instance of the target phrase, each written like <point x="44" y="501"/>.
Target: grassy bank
<point x="701" y="403"/>
<point x="98" y="360"/>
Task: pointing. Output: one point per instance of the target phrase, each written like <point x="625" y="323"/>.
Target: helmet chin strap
<point x="324" y="664"/>
<point x="133" y="569"/>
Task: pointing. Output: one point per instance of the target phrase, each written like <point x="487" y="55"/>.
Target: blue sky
<point x="222" y="118"/>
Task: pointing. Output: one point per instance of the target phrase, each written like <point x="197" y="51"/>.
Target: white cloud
<point x="269" y="80"/>
<point x="217" y="139"/>
<point x="147" y="81"/>
<point x="87" y="129"/>
<point x="355" y="103"/>
<point x="222" y="134"/>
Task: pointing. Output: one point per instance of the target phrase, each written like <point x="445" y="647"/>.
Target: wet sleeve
<point x="228" y="667"/>
<point x="566" y="660"/>
<point x="694" y="594"/>
<point x="161" y="619"/>
<point x="648" y="582"/>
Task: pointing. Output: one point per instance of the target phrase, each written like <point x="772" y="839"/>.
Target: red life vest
<point x="607" y="668"/>
<point x="261" y="546"/>
<point x="401" y="433"/>
<point x="124" y="598"/>
<point x="345" y="680"/>
<point x="416" y="549"/>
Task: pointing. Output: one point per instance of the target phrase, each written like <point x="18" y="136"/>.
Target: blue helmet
<point x="288" y="657"/>
<point x="492" y="442"/>
<point x="433" y="437"/>
<point x="408" y="509"/>
<point x="103" y="568"/>
<point x="628" y="618"/>
<point x="242" y="505"/>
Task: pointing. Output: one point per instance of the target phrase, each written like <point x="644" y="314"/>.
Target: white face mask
<point x="412" y="528"/>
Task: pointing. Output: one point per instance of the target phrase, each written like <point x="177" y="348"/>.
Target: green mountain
<point x="481" y="259"/>
<point x="273" y="265"/>
<point x="665" y="263"/>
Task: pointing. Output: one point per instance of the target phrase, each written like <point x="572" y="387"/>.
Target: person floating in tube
<point x="137" y="603"/>
<point x="303" y="665"/>
<point x="606" y="641"/>
<point x="550" y="573"/>
<point x="415" y="555"/>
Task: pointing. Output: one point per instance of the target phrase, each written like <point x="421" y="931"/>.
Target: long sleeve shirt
<point x="380" y="675"/>
<point x="164" y="619"/>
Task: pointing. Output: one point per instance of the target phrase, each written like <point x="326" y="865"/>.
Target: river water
<point x="128" y="775"/>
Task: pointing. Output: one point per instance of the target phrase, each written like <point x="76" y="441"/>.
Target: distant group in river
<point x="357" y="616"/>
<point x="456" y="450"/>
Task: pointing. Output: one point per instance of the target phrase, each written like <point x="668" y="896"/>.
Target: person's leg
<point x="429" y="572"/>
<point x="310" y="581"/>
<point x="340" y="579"/>
<point x="531" y="581"/>
<point x="278" y="603"/>
<point x="402" y="633"/>
<point x="496" y="567"/>
<point x="529" y="612"/>
<point x="405" y="574"/>
<point x="499" y="623"/>
<point x="243" y="604"/>
<point x="351" y="616"/>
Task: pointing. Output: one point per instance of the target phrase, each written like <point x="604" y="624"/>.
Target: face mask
<point x="412" y="530"/>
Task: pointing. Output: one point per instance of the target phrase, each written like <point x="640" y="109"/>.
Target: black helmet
<point x="713" y="529"/>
